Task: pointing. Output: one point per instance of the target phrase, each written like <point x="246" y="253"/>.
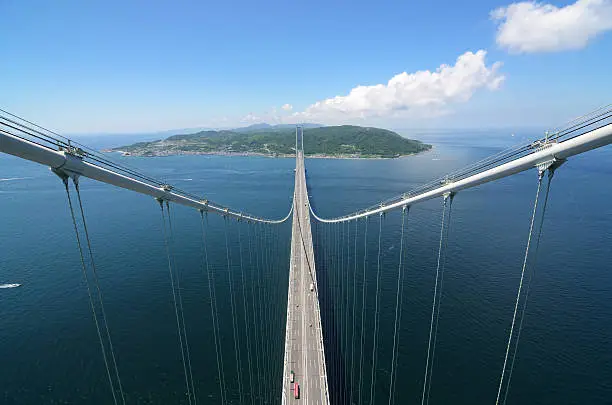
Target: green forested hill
<point x="363" y="141"/>
<point x="344" y="141"/>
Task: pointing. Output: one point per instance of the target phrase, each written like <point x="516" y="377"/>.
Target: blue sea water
<point x="49" y="351"/>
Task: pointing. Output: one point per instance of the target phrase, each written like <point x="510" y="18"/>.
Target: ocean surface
<point x="49" y="349"/>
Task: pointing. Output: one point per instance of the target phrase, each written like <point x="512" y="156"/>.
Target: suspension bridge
<point x="323" y="329"/>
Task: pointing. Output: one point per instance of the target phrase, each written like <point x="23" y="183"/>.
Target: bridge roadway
<point x="303" y="339"/>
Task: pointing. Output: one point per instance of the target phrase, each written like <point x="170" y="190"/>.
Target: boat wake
<point x="15" y="178"/>
<point x="9" y="285"/>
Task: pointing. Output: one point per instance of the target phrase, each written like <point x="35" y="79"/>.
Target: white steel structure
<point x="543" y="154"/>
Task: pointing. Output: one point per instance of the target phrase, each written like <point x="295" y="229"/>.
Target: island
<point x="345" y="141"/>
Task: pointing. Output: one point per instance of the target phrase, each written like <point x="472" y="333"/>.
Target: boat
<point x="10" y="285"/>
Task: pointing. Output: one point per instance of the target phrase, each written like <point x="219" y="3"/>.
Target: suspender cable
<point x="426" y="380"/>
<point x="99" y="291"/>
<point x="280" y="310"/>
<point x="273" y="320"/>
<point x="401" y="300"/>
<point x="264" y="329"/>
<point x="253" y="268"/>
<point x="331" y="244"/>
<point x="332" y="309"/>
<point x="274" y="296"/>
<point x="264" y="316"/>
<point x="246" y="315"/>
<point x="342" y="288"/>
<point x="440" y="290"/>
<point x="518" y="294"/>
<point x="333" y="295"/>
<point x="267" y="284"/>
<point x="363" y="298"/>
<point x="272" y="310"/>
<point x="269" y="322"/>
<point x="233" y="309"/>
<point x="283" y="285"/>
<point x="353" y="316"/>
<point x="376" y="315"/>
<point x="327" y="329"/>
<point x="91" y="301"/>
<point x="529" y="280"/>
<point x="346" y="308"/>
<point x="343" y="328"/>
<point x="338" y="311"/>
<point x="182" y="312"/>
<point x="332" y="304"/>
<point x="260" y="320"/>
<point x="213" y="311"/>
<point x="176" y="310"/>
<point x="398" y="308"/>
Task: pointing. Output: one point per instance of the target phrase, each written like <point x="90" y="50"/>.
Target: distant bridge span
<point x="304" y="352"/>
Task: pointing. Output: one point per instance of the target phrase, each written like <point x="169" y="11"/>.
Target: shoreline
<point x="283" y="156"/>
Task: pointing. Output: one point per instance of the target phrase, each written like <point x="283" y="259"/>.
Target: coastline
<point x="283" y="156"/>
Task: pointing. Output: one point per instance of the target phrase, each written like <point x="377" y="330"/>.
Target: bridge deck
<point x="304" y="339"/>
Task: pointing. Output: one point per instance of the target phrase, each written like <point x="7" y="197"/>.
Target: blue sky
<point x="141" y="66"/>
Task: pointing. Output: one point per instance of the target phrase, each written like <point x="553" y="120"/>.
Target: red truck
<point x="296" y="390"/>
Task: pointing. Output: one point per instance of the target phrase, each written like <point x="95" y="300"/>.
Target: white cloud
<point x="287" y="107"/>
<point x="420" y="94"/>
<point x="527" y="27"/>
<point x="251" y="118"/>
<point x="270" y="117"/>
